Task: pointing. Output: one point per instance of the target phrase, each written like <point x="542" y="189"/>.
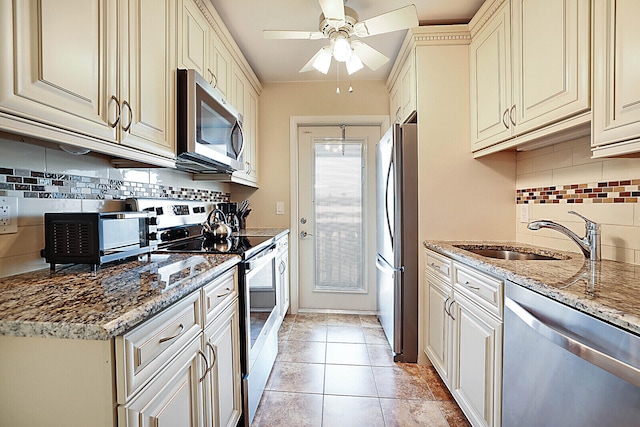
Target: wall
<point x="280" y="101"/>
<point x="556" y="179"/>
<point x="46" y="179"/>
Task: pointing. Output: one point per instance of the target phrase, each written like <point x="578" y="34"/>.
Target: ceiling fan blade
<point x="291" y="35"/>
<point x="309" y="66"/>
<point x="368" y="55"/>
<point x="399" y="19"/>
<point x="333" y="11"/>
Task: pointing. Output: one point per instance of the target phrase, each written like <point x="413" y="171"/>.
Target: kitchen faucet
<point x="589" y="244"/>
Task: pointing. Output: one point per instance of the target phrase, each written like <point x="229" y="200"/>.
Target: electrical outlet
<point x="8" y="215"/>
<point x="524" y="212"/>
<point x="279" y="208"/>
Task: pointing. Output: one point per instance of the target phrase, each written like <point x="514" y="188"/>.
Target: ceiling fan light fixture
<point x="341" y="49"/>
<point x="354" y="64"/>
<point x="323" y="61"/>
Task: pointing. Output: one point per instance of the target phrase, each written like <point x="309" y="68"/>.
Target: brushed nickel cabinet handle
<point x="114" y="124"/>
<point x="468" y="284"/>
<point x="206" y="365"/>
<point x="504" y="118"/>
<point x="180" y="331"/>
<point x="215" y="357"/>
<point x="126" y="128"/>
<point x="511" y="111"/>
<point x="228" y="291"/>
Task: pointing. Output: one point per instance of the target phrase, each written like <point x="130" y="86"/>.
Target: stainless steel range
<point x="179" y="226"/>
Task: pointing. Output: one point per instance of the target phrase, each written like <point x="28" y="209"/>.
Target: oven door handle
<point x="260" y="260"/>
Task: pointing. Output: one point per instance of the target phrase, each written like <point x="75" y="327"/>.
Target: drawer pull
<point x="467" y="284"/>
<point x="206" y="365"/>
<point x="225" y="294"/>
<point x="437" y="267"/>
<point x="180" y="331"/>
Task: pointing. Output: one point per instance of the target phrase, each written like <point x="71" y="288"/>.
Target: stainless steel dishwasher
<point x="565" y="368"/>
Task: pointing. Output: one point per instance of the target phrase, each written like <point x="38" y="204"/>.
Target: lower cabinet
<point x="463" y="335"/>
<point x="173" y="398"/>
<point x="222" y="381"/>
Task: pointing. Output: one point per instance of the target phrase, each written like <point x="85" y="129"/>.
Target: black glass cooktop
<point x="240" y="245"/>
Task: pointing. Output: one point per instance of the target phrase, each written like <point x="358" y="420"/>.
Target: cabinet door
<point x="408" y="88"/>
<point x="395" y="109"/>
<point x="251" y="127"/>
<point x="147" y="74"/>
<point x="616" y="108"/>
<point x="490" y="63"/>
<point x="194" y="37"/>
<point x="173" y="398"/>
<point x="282" y="265"/>
<point x="223" y="385"/>
<point x="222" y="66"/>
<point x="57" y="63"/>
<point x="551" y="61"/>
<point x="477" y="377"/>
<point x="438" y="328"/>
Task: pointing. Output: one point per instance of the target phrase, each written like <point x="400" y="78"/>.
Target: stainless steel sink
<point x="510" y="254"/>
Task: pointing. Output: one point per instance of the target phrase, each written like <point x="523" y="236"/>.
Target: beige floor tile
<point x="289" y="409"/>
<point x="398" y="382"/>
<point x="352" y="334"/>
<point x="308" y="332"/>
<point x="453" y="414"/>
<point x="370" y="322"/>
<point x="380" y="355"/>
<point x="315" y="318"/>
<point x="297" y="377"/>
<point x="341" y="411"/>
<point x="438" y="388"/>
<point x="411" y="413"/>
<point x="375" y="336"/>
<point x="347" y="354"/>
<point x="349" y="380"/>
<point x="343" y="320"/>
<point x="302" y="351"/>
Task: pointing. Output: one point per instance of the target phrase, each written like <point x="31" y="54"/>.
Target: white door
<point x="336" y="217"/>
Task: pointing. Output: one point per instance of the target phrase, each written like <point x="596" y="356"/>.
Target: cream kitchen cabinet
<point x="530" y="68"/>
<point x="403" y="91"/>
<point x="221" y="65"/>
<point x="463" y="311"/>
<point x="194" y="37"/>
<point x="616" y="102"/>
<point x="282" y="272"/>
<point x="222" y="381"/>
<point x="74" y="72"/>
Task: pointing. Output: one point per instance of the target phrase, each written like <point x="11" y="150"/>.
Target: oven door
<point x="260" y="296"/>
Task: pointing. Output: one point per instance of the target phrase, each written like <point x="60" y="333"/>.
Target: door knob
<point x="304" y="234"/>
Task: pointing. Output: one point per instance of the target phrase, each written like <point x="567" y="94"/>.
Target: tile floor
<point x="337" y="370"/>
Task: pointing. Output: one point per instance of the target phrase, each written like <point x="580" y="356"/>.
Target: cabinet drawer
<point x="147" y="349"/>
<point x="439" y="265"/>
<point x="484" y="290"/>
<point x="218" y="293"/>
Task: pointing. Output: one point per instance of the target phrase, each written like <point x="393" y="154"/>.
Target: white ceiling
<point x="280" y="60"/>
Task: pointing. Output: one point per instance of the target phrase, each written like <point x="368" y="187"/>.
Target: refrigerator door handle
<point x="386" y="199"/>
<point x="383" y="265"/>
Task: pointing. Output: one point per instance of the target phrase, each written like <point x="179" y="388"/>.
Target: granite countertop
<point x="263" y="232"/>
<point x="75" y="302"/>
<point x="607" y="290"/>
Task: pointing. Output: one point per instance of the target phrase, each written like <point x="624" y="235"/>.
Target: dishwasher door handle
<point x="610" y="364"/>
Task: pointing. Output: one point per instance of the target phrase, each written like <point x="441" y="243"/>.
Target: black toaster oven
<point x="95" y="238"/>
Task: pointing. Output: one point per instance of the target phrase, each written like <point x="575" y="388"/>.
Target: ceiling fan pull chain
<point x="337" y="78"/>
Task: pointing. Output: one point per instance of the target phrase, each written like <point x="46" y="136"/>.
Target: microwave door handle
<point x="241" y="139"/>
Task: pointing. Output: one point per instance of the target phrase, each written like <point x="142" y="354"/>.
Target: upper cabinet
<point x="403" y="90"/>
<point x="616" y="101"/>
<point x="530" y="68"/>
<point x="88" y="81"/>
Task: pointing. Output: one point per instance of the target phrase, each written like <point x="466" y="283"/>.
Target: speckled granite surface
<point x="607" y="290"/>
<point x="76" y="303"/>
<point x="276" y="232"/>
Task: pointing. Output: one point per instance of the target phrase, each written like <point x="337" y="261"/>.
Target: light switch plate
<point x="524" y="212"/>
<point x="279" y="208"/>
<point x="8" y="215"/>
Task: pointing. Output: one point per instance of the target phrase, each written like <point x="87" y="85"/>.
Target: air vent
<point x="72" y="238"/>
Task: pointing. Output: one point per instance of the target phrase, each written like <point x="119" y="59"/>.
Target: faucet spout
<point x="589" y="244"/>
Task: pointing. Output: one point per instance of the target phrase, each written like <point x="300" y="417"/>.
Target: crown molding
<point x="484" y="14"/>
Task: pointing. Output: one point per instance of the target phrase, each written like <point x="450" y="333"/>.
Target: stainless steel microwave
<point x="209" y="129"/>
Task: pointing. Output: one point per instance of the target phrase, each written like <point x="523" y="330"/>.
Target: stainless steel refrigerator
<point x="397" y="239"/>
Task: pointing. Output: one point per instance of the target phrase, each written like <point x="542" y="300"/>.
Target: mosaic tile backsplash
<point x="47" y="185"/>
<point x="624" y="191"/>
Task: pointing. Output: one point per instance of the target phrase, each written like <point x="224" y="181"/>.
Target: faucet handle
<point x="588" y="223"/>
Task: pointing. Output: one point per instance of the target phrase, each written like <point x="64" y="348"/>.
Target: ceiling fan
<point x="339" y="24"/>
